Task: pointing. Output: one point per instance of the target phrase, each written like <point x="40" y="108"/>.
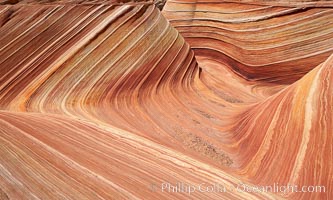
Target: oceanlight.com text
<point x="181" y="187"/>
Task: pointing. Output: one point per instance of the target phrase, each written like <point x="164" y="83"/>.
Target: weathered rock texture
<point x="106" y="100"/>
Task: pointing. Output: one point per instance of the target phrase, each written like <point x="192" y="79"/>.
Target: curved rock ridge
<point x="295" y="125"/>
<point x="108" y="66"/>
<point x="109" y="101"/>
<point x="276" y="60"/>
<point x="259" y="42"/>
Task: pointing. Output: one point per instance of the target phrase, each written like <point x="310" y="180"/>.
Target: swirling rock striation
<point x="259" y="42"/>
<point x="106" y="100"/>
<point x="279" y="55"/>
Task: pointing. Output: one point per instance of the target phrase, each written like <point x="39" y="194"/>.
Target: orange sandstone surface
<point x="118" y="100"/>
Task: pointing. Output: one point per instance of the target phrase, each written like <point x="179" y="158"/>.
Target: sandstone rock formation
<point x="111" y="99"/>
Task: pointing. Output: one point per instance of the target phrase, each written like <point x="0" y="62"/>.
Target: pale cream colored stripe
<point x="306" y="131"/>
